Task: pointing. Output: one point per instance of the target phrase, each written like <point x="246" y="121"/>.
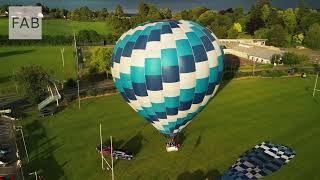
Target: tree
<point x="103" y="14"/>
<point x="275" y="18"/>
<point x="308" y="20"/>
<point x="303" y="11"/>
<point x="100" y="61"/>
<point x="298" y="38"/>
<point x="85" y="13"/>
<point x="118" y="10"/>
<point x="33" y="81"/>
<point x="290" y="58"/>
<point x="265" y="12"/>
<point x="165" y="13"/>
<point x="88" y="36"/>
<point x="262" y="33"/>
<point x="219" y="31"/>
<point x="255" y="21"/>
<point x="237" y="27"/>
<point x="289" y="19"/>
<point x="153" y="13"/>
<point x="232" y="33"/>
<point x="223" y="20"/>
<point x="143" y="9"/>
<point x="312" y="38"/>
<point x="197" y="11"/>
<point x="207" y="17"/>
<point x="185" y="14"/>
<point x="278" y="36"/>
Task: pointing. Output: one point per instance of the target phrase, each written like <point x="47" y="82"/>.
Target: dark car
<point x="292" y="70"/>
<point x="4" y="161"/>
<point x="4" y="150"/>
<point x="118" y="153"/>
<point x="122" y="155"/>
<point x="48" y="111"/>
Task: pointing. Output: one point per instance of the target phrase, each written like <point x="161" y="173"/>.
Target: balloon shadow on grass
<point x="231" y="64"/>
<point x="41" y="147"/>
<point x="13" y="53"/>
<point x="132" y="146"/>
<point x="200" y="174"/>
<point x="4" y="79"/>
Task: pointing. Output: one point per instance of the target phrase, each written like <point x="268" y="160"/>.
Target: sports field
<point x="63" y="27"/>
<point x="49" y="57"/>
<point x="244" y="113"/>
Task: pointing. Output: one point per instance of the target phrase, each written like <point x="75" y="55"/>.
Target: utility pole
<point x="102" y="167"/>
<point x="78" y="94"/>
<point x="15" y="83"/>
<point x="254" y="64"/>
<point x="112" y="173"/>
<point x="19" y="128"/>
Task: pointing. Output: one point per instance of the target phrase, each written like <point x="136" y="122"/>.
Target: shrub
<point x="290" y="58"/>
<point x="91" y="92"/>
<point x="71" y="83"/>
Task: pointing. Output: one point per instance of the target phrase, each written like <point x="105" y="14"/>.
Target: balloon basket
<point x="172" y="146"/>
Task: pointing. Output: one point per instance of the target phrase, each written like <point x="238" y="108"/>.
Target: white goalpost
<point x="103" y="159"/>
<point x="315" y="85"/>
<point x="62" y="56"/>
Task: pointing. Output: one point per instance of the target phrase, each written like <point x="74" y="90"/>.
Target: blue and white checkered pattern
<point x="167" y="71"/>
<point x="260" y="161"/>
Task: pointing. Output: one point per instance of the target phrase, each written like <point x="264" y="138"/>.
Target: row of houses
<point x="252" y="49"/>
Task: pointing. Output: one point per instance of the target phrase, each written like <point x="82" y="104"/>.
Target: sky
<point x="130" y="6"/>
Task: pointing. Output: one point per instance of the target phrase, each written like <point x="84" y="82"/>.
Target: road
<point x="14" y="100"/>
<point x="8" y="138"/>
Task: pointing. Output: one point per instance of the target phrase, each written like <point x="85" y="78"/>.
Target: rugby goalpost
<point x="315" y="85"/>
<point x="103" y="159"/>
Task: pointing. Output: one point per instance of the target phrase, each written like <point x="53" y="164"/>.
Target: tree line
<point x="282" y="27"/>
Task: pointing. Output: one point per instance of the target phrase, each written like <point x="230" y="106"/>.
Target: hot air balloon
<point x="167" y="71"/>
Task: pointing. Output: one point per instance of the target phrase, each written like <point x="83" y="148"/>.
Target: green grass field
<point x="63" y="27"/>
<point x="244" y="113"/>
<point x="49" y="57"/>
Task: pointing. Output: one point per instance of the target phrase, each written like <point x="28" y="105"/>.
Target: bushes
<point x="272" y="73"/>
<point x="88" y="37"/>
<point x="91" y="92"/>
<point x="84" y="37"/>
<point x="313" y="36"/>
<point x="46" y="40"/>
<point x="71" y="83"/>
<point x="290" y="58"/>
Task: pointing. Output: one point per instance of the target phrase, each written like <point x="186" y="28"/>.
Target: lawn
<point x="63" y="27"/>
<point x="244" y="113"/>
<point x="49" y="57"/>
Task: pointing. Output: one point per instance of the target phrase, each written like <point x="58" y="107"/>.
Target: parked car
<point x="292" y="70"/>
<point x="122" y="155"/>
<point x="48" y="111"/>
<point x="105" y="149"/>
<point x="3" y="164"/>
<point x="4" y="150"/>
<point x="118" y="154"/>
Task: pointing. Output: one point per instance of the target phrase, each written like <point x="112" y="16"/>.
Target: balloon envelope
<point x="167" y="71"/>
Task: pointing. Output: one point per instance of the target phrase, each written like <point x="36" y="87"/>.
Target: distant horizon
<point x="131" y="6"/>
